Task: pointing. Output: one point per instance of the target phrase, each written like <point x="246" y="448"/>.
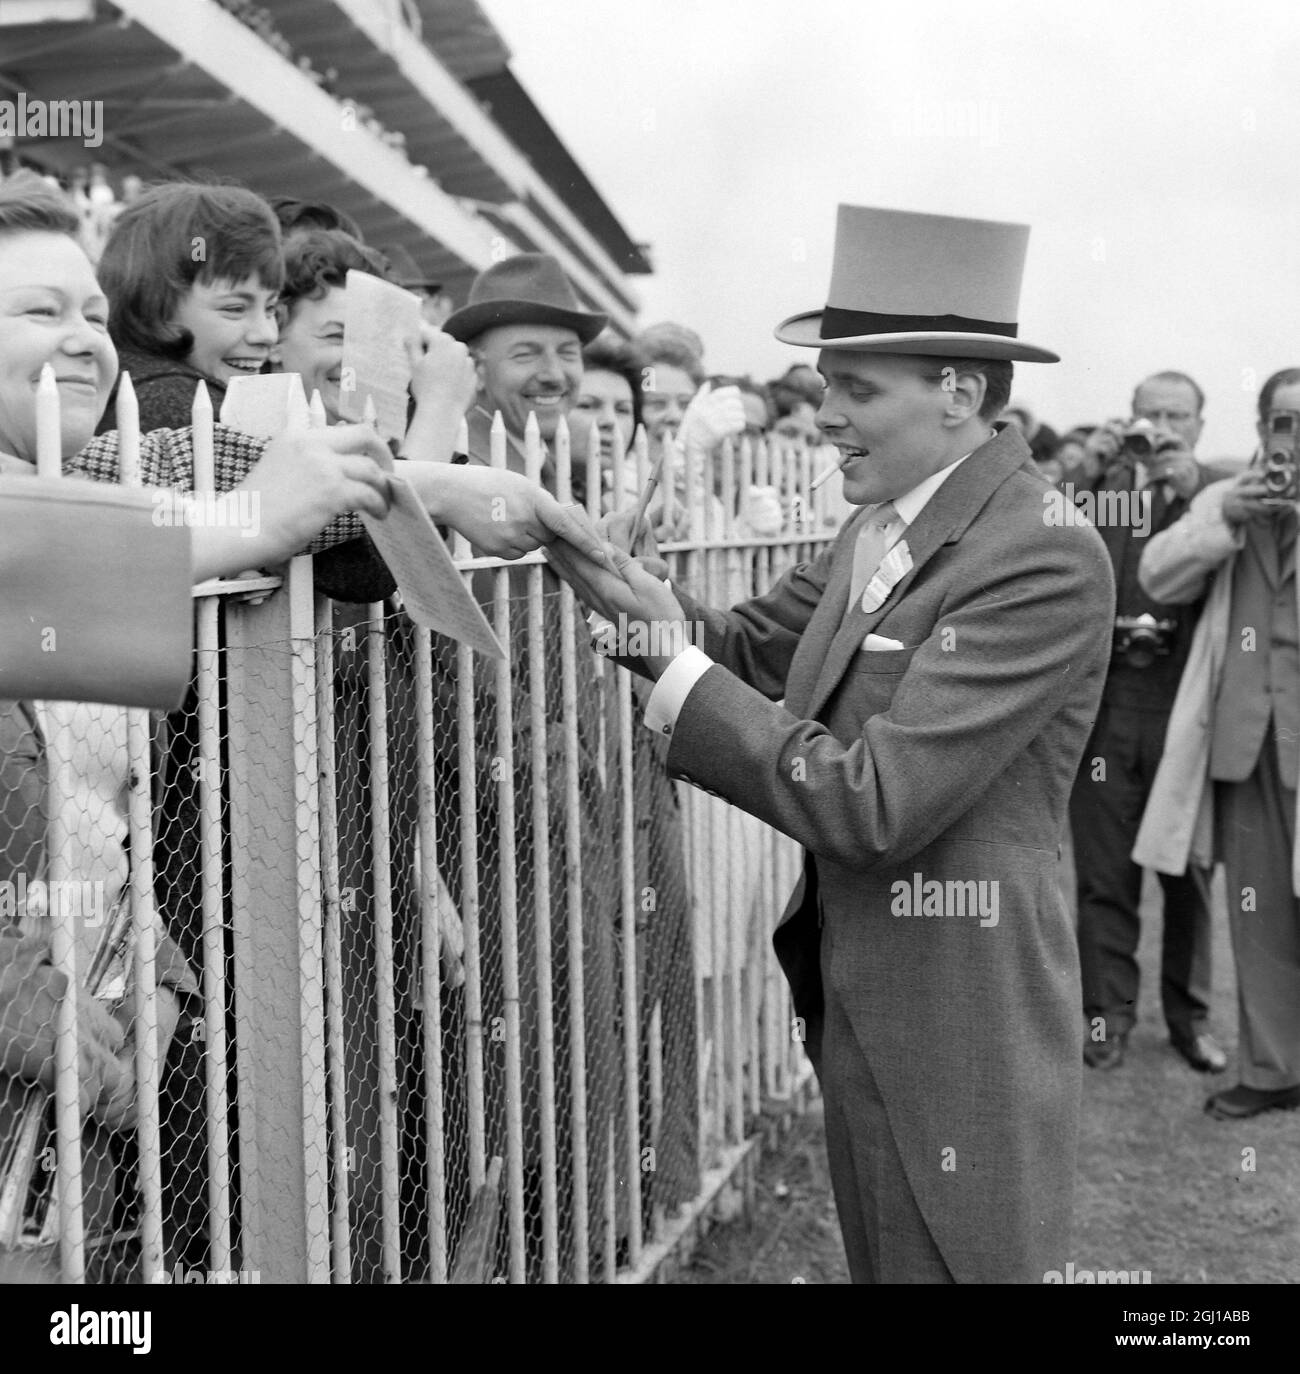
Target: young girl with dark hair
<point x="192" y="273"/>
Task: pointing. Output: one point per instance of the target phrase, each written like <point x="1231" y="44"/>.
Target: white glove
<point x="711" y="417"/>
<point x="762" y="512"/>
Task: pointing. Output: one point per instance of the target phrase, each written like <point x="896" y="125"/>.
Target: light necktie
<point x="873" y="542"/>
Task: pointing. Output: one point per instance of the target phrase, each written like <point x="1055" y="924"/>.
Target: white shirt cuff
<point x="672" y="689"/>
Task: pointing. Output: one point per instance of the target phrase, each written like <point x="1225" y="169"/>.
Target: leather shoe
<point x="1236" y="1104"/>
<point x="1203" y="1052"/>
<point x="1106" y="1054"/>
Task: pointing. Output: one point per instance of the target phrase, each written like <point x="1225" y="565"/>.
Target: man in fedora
<point x="526" y="330"/>
<point x="911" y="706"/>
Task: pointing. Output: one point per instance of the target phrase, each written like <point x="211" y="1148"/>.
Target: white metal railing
<point x="407" y="965"/>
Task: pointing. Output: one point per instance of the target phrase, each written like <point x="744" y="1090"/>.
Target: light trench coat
<point x="1178" y="823"/>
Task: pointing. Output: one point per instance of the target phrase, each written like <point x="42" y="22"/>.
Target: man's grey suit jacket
<point x="951" y="758"/>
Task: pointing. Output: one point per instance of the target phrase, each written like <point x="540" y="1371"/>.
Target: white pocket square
<point x="873" y="643"/>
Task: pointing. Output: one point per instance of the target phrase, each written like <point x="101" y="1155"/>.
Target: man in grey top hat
<point x="911" y="706"/>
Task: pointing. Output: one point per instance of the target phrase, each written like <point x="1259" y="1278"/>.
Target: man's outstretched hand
<point x="632" y="598"/>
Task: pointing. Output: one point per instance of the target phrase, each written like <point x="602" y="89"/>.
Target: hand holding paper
<point x="443" y="383"/>
<point x="442" y="370"/>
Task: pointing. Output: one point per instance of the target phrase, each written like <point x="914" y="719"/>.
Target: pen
<point x="648" y="492"/>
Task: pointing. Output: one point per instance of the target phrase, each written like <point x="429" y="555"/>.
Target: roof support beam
<point x="215" y="41"/>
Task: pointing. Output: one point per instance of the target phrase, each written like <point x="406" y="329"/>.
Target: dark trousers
<point x="1256" y="831"/>
<point x="1105" y="811"/>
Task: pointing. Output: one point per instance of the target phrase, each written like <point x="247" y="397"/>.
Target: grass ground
<point x="1161" y="1185"/>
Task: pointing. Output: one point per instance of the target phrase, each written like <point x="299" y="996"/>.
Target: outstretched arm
<point x="1009" y="649"/>
<point x="755" y="640"/>
<point x="294" y="494"/>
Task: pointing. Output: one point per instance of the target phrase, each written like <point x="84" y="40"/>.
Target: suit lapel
<point x="825" y="623"/>
<point x="942" y="520"/>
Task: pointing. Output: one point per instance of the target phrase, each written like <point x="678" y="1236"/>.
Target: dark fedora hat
<point x="529" y="288"/>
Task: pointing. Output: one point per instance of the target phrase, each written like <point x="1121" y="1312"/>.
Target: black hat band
<point x="848" y="324"/>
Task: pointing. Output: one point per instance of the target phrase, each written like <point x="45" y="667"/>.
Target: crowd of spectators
<point x="272" y="297"/>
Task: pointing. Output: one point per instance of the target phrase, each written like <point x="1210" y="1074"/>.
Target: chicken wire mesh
<point x="466" y="987"/>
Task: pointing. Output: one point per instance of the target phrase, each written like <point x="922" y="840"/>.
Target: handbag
<point x="95" y="599"/>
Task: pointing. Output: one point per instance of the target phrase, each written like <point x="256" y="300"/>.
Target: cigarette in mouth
<point x="827" y="473"/>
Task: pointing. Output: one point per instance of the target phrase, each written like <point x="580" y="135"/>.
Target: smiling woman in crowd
<point x="313" y="308"/>
<point x="53" y="310"/>
<point x="192" y="274"/>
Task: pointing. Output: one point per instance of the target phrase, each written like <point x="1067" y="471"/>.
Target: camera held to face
<point x="1143" y="441"/>
<point x="1281" y="468"/>
<point x="1141" y="639"/>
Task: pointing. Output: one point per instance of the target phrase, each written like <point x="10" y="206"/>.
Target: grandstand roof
<point x="188" y="90"/>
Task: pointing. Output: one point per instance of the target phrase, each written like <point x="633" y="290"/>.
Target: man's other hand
<point x="650" y="610"/>
<point x="616" y="527"/>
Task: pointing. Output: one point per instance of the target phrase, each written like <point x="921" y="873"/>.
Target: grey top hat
<point x="929" y="284"/>
<point x="529" y="288"/>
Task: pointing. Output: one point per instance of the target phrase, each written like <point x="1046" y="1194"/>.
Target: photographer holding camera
<point x="1226" y="788"/>
<point x="1143" y="476"/>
